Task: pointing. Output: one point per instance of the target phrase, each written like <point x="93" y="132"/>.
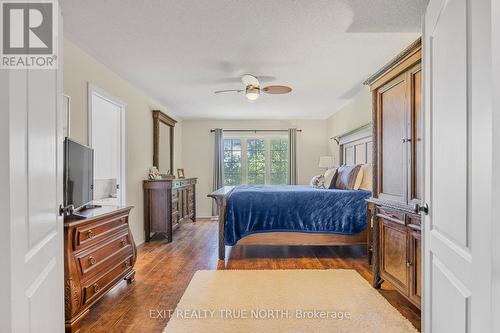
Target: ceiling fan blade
<point x="276" y="89"/>
<point x="249" y="80"/>
<point x="228" y="91"/>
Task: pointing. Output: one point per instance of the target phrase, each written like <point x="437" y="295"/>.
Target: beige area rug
<point x="284" y="301"/>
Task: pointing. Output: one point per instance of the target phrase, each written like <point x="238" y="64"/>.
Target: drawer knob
<point x="125" y="264"/>
<point x="92" y="260"/>
<point x="408" y="263"/>
<point x="96" y="287"/>
<point x="123" y="242"/>
<point x="90" y="234"/>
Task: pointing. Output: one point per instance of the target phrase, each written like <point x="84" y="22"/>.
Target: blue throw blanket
<point x="254" y="209"/>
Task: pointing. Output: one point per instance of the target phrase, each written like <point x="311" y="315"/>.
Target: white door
<point x="107" y="138"/>
<point x="496" y="162"/>
<point x="32" y="99"/>
<point x="458" y="166"/>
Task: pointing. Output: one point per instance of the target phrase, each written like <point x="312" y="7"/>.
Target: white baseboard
<point x="207" y="217"/>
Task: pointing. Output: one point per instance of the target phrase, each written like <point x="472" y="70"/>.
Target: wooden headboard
<point x="356" y="146"/>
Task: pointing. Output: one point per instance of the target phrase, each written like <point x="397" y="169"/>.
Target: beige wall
<point x="355" y="113"/>
<point x="80" y="69"/>
<point x="198" y="149"/>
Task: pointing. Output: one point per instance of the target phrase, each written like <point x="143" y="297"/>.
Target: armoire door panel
<point x="393" y="160"/>
<point x="416" y="165"/>
<point x="393" y="247"/>
<point x="415" y="266"/>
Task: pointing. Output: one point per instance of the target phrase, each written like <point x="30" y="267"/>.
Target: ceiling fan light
<point x="252" y="96"/>
<point x="252" y="93"/>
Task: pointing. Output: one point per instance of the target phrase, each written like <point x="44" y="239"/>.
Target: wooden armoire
<point x="397" y="165"/>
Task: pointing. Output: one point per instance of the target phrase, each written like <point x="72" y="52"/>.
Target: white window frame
<point x="244" y="153"/>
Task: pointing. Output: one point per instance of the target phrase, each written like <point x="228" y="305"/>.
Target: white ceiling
<point x="181" y="51"/>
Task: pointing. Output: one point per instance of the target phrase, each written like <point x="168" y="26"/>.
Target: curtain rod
<point x="254" y="130"/>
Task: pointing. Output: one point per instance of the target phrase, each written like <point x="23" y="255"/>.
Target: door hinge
<point x="422" y="208"/>
<point x="117" y="186"/>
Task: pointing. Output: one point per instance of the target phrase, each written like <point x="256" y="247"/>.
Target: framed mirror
<point x="163" y="143"/>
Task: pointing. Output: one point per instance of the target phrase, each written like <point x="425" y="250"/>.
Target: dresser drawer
<point x="182" y="182"/>
<point x="391" y="215"/>
<point x="99" y="286"/>
<point x="104" y="254"/>
<point x="94" y="233"/>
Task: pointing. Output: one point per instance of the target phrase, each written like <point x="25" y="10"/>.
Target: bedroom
<point x="208" y="157"/>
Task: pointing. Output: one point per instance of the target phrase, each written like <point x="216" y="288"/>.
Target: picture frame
<point x="180" y="173"/>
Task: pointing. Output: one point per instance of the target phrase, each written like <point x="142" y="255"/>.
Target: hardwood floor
<point x="164" y="271"/>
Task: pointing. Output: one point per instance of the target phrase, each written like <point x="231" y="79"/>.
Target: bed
<point x="297" y="214"/>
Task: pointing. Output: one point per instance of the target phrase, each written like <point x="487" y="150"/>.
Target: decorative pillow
<point x="359" y="179"/>
<point x="329" y="175"/>
<point x="347" y="177"/>
<point x="367" y="182"/>
<point x="318" y="181"/>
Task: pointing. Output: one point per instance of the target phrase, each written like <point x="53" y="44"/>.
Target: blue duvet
<point x="254" y="209"/>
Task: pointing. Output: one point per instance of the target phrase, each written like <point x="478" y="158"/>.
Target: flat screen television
<point x="78" y="174"/>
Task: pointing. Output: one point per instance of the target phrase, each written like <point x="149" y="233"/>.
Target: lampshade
<point x="325" y="161"/>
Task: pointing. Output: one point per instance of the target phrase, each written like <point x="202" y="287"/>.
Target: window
<point x="254" y="161"/>
<point x="232" y="161"/>
<point x="279" y="161"/>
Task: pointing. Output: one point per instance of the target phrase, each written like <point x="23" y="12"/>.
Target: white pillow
<point x="318" y="181"/>
<point x="367" y="182"/>
<point x="329" y="174"/>
<point x="359" y="179"/>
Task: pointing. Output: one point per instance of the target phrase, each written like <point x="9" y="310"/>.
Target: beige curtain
<point x="218" y="176"/>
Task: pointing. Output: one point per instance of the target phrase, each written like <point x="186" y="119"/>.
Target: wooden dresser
<point x="99" y="251"/>
<point x="168" y="203"/>
<point x="397" y="171"/>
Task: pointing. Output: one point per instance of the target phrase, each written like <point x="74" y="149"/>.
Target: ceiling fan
<point x="252" y="88"/>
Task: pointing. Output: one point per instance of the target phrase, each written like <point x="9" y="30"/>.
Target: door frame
<point x="92" y="90"/>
